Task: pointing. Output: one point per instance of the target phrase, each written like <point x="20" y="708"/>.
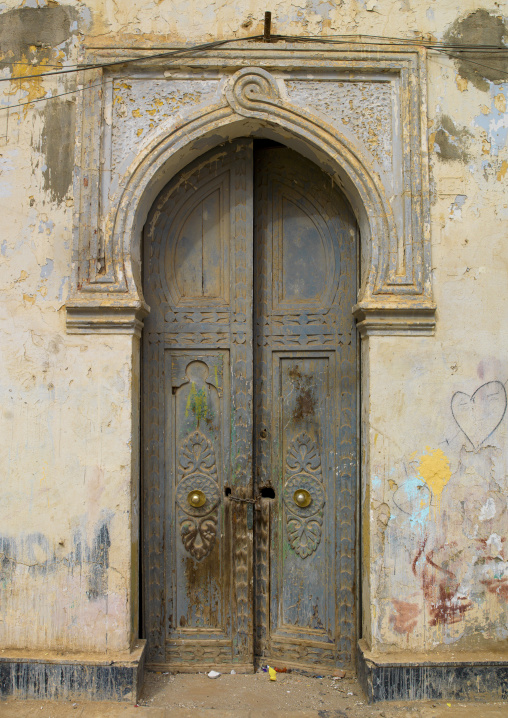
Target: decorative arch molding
<point x="395" y="295"/>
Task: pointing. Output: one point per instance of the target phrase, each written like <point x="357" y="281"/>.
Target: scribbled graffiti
<point x="479" y="415"/>
<point x="448" y="515"/>
<point x="440" y="585"/>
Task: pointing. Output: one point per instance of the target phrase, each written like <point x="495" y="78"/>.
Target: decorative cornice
<point x="106" y="317"/>
<point x="416" y="318"/>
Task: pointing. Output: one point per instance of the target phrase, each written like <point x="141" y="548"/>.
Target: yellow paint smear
<point x="461" y="83"/>
<point x="32" y="84"/>
<point x="434" y="469"/>
<point x="500" y="102"/>
<point x="502" y="171"/>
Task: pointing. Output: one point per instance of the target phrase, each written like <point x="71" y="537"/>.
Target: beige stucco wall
<point x="435" y="569"/>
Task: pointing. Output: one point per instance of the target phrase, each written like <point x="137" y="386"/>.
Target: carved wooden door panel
<point x="249" y="553"/>
<point x="197" y="426"/>
<point x="305" y="242"/>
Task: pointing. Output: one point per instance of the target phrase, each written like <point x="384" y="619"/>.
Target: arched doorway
<point x="249" y="420"/>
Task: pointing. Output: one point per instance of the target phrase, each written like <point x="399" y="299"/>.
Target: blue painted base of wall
<point x="385" y="679"/>
<point x="67" y="677"/>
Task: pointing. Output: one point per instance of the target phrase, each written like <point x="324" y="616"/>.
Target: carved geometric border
<point x="395" y="297"/>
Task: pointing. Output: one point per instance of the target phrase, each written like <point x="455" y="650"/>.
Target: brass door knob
<point x="302" y="498"/>
<point x="196" y="498"/>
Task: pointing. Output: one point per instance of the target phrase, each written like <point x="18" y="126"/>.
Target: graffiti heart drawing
<point x="479" y="415"/>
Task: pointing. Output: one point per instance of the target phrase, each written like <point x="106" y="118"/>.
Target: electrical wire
<point x="329" y="39"/>
<point x="454" y="51"/>
<point x="474" y="62"/>
<point x="51" y="97"/>
<point x="172" y="53"/>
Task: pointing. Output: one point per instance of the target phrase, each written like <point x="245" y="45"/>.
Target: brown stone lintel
<point x="396" y="318"/>
<point x="106" y="316"/>
<point x="57" y="675"/>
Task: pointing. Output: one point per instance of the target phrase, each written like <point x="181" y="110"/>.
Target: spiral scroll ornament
<point x="250" y="90"/>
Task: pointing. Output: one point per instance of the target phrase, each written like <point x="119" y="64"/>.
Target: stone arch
<point x="255" y="107"/>
<point x="252" y="103"/>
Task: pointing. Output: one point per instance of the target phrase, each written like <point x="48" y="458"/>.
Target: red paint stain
<point x="440" y="590"/>
<point x="497" y="586"/>
<point x="449" y="608"/>
<point x="405" y="617"/>
<point x="419" y="553"/>
<point x="305" y="397"/>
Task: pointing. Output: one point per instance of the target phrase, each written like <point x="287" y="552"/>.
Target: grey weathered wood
<point x="198" y="413"/>
<point x="305" y="408"/>
<point x="199" y="397"/>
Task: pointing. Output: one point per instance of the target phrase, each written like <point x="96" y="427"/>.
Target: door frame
<point x="115" y="188"/>
<point x="149" y="552"/>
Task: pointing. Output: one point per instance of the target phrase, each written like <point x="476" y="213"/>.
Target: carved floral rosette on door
<point x="304" y="495"/>
<point x="197" y="495"/>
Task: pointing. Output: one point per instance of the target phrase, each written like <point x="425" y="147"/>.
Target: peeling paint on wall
<point x="481" y="27"/>
<point x="450" y="142"/>
<point x="494" y="120"/>
<point x="59" y="122"/>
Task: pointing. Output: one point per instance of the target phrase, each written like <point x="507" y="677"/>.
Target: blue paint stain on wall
<point x="495" y="123"/>
<point x="62" y="287"/>
<point x="47" y="268"/>
<point x="46" y="225"/>
<point x="413" y="498"/>
<point x="456" y="206"/>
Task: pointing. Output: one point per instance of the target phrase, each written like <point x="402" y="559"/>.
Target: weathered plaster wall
<point x="435" y="515"/>
<point x="65" y="540"/>
<point x="438" y="503"/>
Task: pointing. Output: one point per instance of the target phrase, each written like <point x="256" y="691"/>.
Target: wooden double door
<point x="249" y="415"/>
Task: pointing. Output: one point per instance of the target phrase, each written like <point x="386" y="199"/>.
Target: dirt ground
<point x="292" y="695"/>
